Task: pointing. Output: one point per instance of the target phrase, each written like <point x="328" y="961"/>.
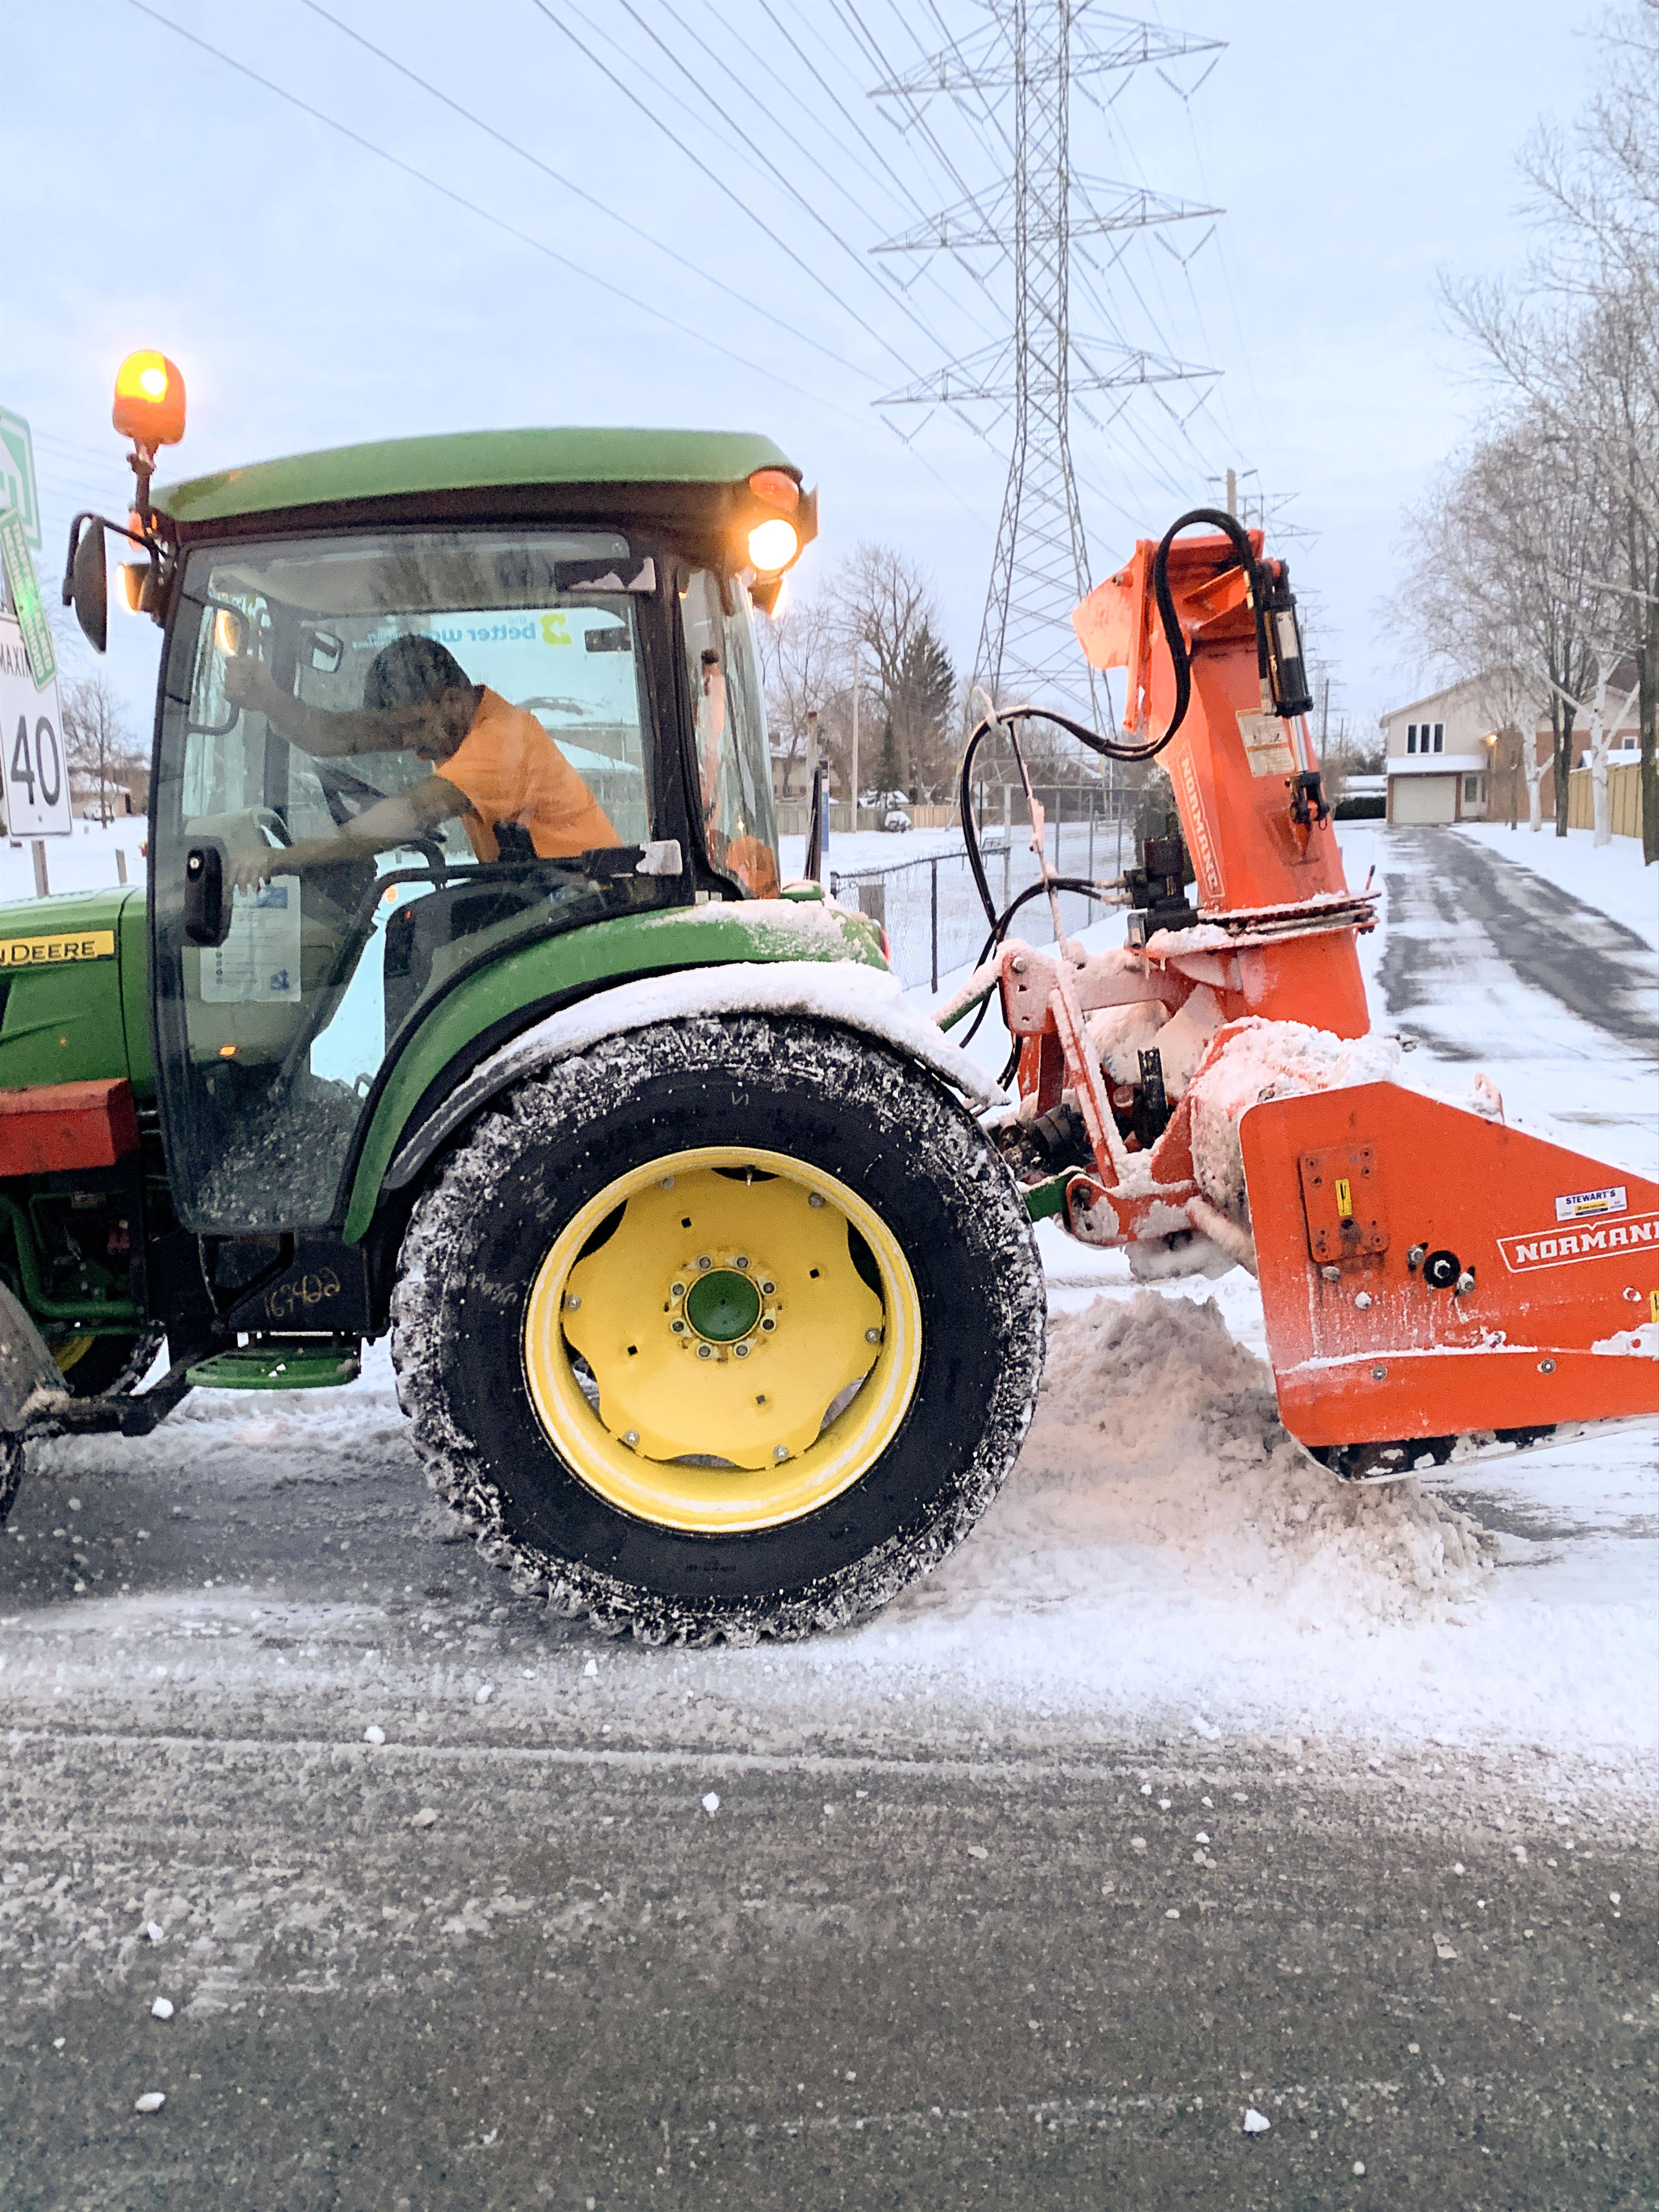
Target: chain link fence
<point x="931" y="911"/>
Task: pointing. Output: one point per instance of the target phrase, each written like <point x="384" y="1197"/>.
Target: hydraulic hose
<point x="1107" y="747"/>
<point x="1180" y="659"/>
<point x="1110" y="748"/>
<point x="999" y="929"/>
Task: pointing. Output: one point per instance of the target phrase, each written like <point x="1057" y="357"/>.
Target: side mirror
<point x="207" y="918"/>
<point x="85" y="588"/>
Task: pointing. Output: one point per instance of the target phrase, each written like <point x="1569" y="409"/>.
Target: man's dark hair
<point x="413" y="672"/>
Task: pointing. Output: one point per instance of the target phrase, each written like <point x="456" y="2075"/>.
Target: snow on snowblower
<point x="1435" y="1282"/>
<point x="467" y="1006"/>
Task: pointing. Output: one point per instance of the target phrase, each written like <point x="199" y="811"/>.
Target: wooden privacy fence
<point x="1623" y="800"/>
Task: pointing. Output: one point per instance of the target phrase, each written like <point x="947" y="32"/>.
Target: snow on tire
<point x="11" y="1474"/>
<point x="947" y="1275"/>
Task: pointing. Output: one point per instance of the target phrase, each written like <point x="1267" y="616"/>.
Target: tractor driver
<point x="494" y="765"/>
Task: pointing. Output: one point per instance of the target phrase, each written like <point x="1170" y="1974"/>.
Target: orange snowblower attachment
<point x="1433" y="1280"/>
<point x="1427" y="1274"/>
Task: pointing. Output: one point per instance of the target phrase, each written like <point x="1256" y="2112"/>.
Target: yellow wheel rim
<point x="746" y="1370"/>
<point x="70" y="1351"/>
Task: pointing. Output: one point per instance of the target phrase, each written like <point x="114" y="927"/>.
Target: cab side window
<point x="728" y="716"/>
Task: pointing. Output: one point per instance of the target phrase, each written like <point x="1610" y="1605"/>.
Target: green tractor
<point x="467" y="1004"/>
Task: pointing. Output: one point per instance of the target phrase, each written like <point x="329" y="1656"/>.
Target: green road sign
<point x="23" y="590"/>
<point x="17" y="486"/>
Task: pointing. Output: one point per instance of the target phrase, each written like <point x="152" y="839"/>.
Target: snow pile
<point x="1156" y="1429"/>
<point x="1271" y="1060"/>
<point x="1632" y="1343"/>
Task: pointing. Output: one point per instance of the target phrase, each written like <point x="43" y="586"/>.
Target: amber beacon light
<point x="773" y="544"/>
<point x="149" y="400"/>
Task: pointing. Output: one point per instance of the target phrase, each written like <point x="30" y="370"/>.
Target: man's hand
<point x="246" y="870"/>
<point x="247" y="685"/>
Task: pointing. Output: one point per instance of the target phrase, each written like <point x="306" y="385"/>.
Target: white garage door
<point x="1425" y="798"/>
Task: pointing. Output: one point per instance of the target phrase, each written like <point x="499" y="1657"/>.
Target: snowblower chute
<point x="1210" y="1094"/>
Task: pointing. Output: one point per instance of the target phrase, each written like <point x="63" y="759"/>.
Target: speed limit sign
<point x="37" y="783"/>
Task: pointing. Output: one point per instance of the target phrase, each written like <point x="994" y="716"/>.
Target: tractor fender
<point x="846" y="992"/>
<point x="29" y="1375"/>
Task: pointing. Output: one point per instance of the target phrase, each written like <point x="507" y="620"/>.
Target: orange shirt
<point x="512" y="771"/>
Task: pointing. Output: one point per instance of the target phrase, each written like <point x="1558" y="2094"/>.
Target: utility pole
<point x="1038" y="217"/>
<point x="855" y="734"/>
<point x="1232" y="492"/>
<point x="818" y="819"/>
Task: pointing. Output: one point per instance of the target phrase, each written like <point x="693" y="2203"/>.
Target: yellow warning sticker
<point x="43" y="951"/>
<point x="1344" y="1199"/>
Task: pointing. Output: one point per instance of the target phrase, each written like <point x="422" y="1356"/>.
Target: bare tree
<point x="882" y="602"/>
<point x="1507" y="585"/>
<point x="99" y="749"/>
<point x="1578" y="342"/>
<point x="801" y="662"/>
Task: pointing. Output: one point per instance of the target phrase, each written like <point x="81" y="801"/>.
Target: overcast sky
<point x="315" y="293"/>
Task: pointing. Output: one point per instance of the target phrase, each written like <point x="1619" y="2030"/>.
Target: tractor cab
<point x="424" y="704"/>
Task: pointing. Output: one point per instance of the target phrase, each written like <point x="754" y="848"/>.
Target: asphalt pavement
<point x="1453" y="902"/>
<point x="851" y="1981"/>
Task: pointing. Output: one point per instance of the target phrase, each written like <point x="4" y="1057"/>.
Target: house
<point x="1450" y="759"/>
<point x="1439" y="756"/>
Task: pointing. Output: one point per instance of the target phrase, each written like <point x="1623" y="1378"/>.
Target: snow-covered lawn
<point x="83" y="861"/>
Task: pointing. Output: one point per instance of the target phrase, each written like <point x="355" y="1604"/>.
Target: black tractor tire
<point x="11" y="1474"/>
<point x="844" y="1105"/>
<point x="106" y="1366"/>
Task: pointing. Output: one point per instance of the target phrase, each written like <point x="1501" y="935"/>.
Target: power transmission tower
<point x="1039" y="215"/>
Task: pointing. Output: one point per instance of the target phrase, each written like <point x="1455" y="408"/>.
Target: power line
<point x="779" y="177"/>
<point x="857" y="167"/>
<point x="814" y="276"/>
<point x="591" y="199"/>
<point x="496" y="222"/>
<point x="890" y="290"/>
<point x="721" y="186"/>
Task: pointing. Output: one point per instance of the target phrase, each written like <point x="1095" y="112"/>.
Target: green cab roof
<point x="469" y="460"/>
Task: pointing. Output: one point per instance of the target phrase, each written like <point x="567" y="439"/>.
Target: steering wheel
<point x="432" y="852"/>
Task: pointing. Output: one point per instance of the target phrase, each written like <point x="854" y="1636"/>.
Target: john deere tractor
<point x="712" y="1308"/>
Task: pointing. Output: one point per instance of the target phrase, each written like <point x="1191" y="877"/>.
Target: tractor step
<point x="270" y="1366"/>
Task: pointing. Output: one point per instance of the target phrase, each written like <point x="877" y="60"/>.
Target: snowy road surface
<point x="941" y="1937"/>
<point x="1463" y="915"/>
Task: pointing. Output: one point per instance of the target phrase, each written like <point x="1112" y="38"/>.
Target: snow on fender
<point x="843" y="992"/>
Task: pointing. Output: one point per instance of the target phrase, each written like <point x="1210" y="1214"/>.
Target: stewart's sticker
<point x="1206" y="863"/>
<point x="1564" y="1247"/>
<point x="1585" y="1204"/>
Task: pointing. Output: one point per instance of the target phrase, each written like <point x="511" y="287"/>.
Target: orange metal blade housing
<point x="1368" y="1340"/>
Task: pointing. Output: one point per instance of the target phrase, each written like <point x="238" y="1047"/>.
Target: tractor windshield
<point x="394" y="755"/>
